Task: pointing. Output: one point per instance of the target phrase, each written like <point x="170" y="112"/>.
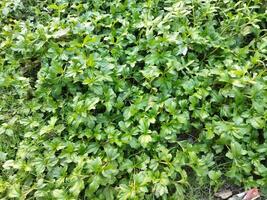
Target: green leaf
<point x="160" y="189"/>
<point x="151" y="72"/>
<point x="90" y="61"/>
<point x="77" y="187"/>
<point x="171" y="106"/>
<point x="112" y="153"/>
<point x="91" y="103"/>
<point x="257" y="122"/>
<point x="144" y="125"/>
<point x="59" y="194"/>
<point x="93" y="186"/>
<point x="14" y="191"/>
<point x="61" y="33"/>
<point x="236" y="150"/>
<point x="215" y="175"/>
<point x="145" y="140"/>
<point x="2" y="156"/>
<point x="129" y="112"/>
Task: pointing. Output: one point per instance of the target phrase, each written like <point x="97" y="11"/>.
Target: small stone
<point x="225" y="194"/>
<point x="238" y="196"/>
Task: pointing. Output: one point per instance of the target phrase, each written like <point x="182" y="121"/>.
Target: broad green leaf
<point x="59" y="194"/>
<point x="145" y="140"/>
<point x="257" y="122"/>
<point x="93" y="186"/>
<point x="77" y="187"/>
<point x="61" y="33"/>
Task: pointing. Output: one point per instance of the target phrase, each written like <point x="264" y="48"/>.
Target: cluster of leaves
<point x="129" y="99"/>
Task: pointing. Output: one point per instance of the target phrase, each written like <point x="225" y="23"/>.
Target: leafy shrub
<point x="131" y="99"/>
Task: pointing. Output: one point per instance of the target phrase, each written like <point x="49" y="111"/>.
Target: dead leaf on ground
<point x="252" y="194"/>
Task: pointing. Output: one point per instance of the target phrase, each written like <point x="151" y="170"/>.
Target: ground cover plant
<point x="129" y="99"/>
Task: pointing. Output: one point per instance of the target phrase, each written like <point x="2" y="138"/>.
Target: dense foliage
<point x="129" y="99"/>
